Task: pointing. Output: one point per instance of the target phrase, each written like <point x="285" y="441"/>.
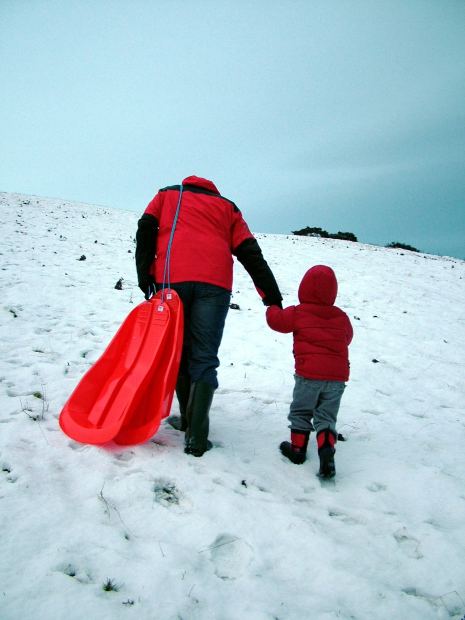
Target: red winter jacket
<point x="322" y="331"/>
<point x="208" y="230"/>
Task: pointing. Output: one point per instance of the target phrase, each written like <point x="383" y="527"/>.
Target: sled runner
<point x="128" y="390"/>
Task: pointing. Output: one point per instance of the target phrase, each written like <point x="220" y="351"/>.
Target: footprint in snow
<point x="165" y="492"/>
<point x="9" y="476"/>
<point x="231" y="556"/>
<point x="124" y="458"/>
<point x="72" y="571"/>
<point x="409" y="545"/>
<point x="375" y="487"/>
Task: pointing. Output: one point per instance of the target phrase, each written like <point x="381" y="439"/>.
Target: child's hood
<point x="318" y="286"/>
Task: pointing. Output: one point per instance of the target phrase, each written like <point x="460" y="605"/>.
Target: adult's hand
<point x="273" y="300"/>
<point x="147" y="286"/>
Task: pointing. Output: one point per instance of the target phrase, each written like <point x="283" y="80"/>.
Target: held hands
<point x="273" y="298"/>
<point x="273" y="301"/>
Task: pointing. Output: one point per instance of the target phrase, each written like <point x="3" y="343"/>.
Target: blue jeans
<point x="317" y="400"/>
<point x="205" y="309"/>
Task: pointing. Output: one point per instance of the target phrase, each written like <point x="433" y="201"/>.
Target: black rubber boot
<point x="296" y="449"/>
<point x="183" y="388"/>
<point x="197" y="413"/>
<point x="326" y="440"/>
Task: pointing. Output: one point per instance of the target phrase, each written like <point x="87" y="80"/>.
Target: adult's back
<point x="210" y="229"/>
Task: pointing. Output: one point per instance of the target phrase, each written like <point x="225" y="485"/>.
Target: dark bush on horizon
<point x="402" y="246"/>
<point x="315" y="231"/>
<point x="311" y="232"/>
<point x="346" y="236"/>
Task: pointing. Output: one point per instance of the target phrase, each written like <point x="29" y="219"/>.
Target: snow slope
<point x="240" y="533"/>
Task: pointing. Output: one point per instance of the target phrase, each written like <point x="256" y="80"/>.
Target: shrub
<point x="402" y="246"/>
<point x="346" y="236"/>
<point x="316" y="231"/>
<point x="311" y="232"/>
<point x="110" y="586"/>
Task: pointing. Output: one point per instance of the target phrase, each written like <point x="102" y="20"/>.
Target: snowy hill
<point x="241" y="533"/>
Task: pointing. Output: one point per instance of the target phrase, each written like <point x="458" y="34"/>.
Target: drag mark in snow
<point x="345" y="518"/>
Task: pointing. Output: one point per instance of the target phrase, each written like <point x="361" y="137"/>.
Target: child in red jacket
<point x="322" y="334"/>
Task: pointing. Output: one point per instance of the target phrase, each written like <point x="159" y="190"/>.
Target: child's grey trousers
<point x="315" y="401"/>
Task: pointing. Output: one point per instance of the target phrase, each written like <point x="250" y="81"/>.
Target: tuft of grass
<point x="110" y="586"/>
<point x="29" y="411"/>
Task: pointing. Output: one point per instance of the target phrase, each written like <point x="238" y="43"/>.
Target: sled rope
<point x="166" y="271"/>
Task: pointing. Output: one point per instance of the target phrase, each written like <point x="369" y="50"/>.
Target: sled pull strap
<point x="166" y="272"/>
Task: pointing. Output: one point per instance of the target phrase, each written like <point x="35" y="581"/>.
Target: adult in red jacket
<point x="210" y="229"/>
<point x="322" y="334"/>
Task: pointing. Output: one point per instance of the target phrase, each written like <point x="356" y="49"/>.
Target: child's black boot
<point x="326" y="440"/>
<point x="296" y="449"/>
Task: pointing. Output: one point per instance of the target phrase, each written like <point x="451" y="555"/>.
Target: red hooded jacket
<point x="209" y="229"/>
<point x="322" y="331"/>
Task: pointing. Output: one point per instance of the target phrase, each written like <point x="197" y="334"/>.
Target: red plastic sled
<point x="155" y="403"/>
<point x="128" y="390"/>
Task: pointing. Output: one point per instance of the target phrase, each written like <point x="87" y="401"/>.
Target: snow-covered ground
<point x="241" y="533"/>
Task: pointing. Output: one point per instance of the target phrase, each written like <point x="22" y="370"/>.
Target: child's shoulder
<point x="321" y="310"/>
<point x="341" y="312"/>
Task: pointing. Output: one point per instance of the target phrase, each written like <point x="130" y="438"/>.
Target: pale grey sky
<point x="349" y="115"/>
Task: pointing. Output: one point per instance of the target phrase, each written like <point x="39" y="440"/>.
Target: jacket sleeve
<point x="249" y="254"/>
<point x="146" y="244"/>
<point x="281" y="320"/>
<point x="349" y="331"/>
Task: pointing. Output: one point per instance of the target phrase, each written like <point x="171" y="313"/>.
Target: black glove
<point x="273" y="300"/>
<point x="147" y="285"/>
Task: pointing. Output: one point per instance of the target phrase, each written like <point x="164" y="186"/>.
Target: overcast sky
<point x="349" y="115"/>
